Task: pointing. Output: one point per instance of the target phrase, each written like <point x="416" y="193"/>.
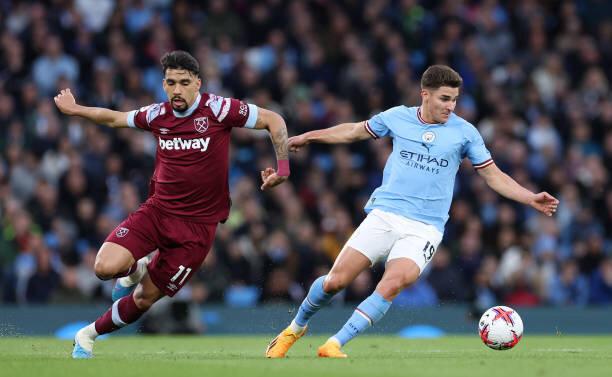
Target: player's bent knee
<point x="112" y="259"/>
<point x="391" y="287"/>
<point x="104" y="270"/>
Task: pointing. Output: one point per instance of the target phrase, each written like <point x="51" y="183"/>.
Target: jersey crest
<point x="428" y="136"/>
<point x="122" y="232"/>
<point x="201" y="124"/>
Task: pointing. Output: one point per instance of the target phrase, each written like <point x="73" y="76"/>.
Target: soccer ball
<point x="500" y="328"/>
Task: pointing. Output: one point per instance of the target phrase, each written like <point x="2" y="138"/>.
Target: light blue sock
<point x="315" y="300"/>
<point x="370" y="311"/>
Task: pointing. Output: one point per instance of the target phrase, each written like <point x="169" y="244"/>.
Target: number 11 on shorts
<point x="180" y="271"/>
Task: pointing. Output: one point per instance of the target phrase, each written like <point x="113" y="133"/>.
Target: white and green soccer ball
<point x="500" y="328"/>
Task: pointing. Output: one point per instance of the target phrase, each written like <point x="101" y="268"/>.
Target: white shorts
<point x="387" y="235"/>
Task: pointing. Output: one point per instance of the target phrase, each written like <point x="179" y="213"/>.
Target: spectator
<point x="601" y="284"/>
<point x="569" y="287"/>
<point x="53" y="65"/>
<point x="42" y="284"/>
<point x="446" y="279"/>
<point x="538" y="90"/>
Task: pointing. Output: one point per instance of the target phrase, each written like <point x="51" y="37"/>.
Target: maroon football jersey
<point x="192" y="161"/>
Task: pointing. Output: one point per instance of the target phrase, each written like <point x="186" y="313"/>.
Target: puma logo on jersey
<point x="178" y="143"/>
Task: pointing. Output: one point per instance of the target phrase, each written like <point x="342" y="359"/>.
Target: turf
<point x="368" y="356"/>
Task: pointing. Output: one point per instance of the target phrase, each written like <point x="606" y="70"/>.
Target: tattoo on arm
<point x="279" y="140"/>
<point x="277" y="134"/>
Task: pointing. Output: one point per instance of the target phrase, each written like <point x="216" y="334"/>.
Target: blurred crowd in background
<point x="537" y="80"/>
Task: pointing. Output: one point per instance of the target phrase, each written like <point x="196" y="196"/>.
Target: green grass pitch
<point x="372" y="356"/>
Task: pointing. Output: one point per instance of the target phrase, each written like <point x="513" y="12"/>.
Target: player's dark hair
<point x="437" y="76"/>
<point x="180" y="60"/>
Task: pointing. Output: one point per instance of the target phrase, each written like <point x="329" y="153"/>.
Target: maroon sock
<point x="128" y="272"/>
<point x="122" y="313"/>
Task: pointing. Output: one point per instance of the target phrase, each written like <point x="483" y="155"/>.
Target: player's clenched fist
<point x="65" y="102"/>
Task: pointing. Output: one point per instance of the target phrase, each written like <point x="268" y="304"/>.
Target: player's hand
<point x="65" y="102"/>
<point x="545" y="203"/>
<point x="297" y="142"/>
<point x="270" y="179"/>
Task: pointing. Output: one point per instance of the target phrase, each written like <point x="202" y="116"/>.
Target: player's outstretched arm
<point x="67" y="104"/>
<point x="340" y="134"/>
<point x="508" y="187"/>
<point x="275" y="124"/>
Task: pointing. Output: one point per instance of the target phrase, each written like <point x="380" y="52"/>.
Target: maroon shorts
<point x="182" y="245"/>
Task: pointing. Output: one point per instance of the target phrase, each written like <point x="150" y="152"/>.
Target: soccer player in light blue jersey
<point x="407" y="213"/>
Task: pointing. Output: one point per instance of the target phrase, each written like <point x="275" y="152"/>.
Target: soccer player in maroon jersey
<point x="189" y="191"/>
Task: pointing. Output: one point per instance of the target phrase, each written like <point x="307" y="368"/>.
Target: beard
<point x="180" y="106"/>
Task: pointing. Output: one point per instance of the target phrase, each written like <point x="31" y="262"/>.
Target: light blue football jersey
<point x="419" y="176"/>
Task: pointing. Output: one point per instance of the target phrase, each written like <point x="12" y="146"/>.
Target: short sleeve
<point x="476" y="150"/>
<point x="232" y="112"/>
<point x="376" y="126"/>
<point x="143" y="117"/>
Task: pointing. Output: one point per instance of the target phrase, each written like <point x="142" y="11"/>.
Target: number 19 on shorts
<point x="180" y="273"/>
<point x="428" y="251"/>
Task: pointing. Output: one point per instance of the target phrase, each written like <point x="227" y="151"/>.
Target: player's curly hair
<point x="180" y="60"/>
<point x="437" y="76"/>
